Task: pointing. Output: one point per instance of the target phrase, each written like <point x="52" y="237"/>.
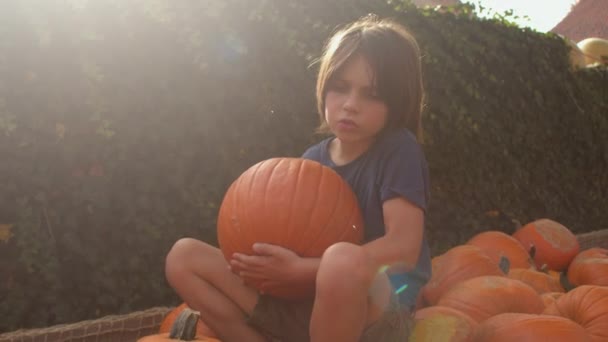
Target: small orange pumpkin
<point x="555" y="244"/>
<point x="589" y="267"/>
<point x="291" y="202"/>
<point x="497" y="245"/>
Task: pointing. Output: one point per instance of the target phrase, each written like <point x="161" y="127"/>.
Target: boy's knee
<point x="344" y="264"/>
<point x="177" y="260"/>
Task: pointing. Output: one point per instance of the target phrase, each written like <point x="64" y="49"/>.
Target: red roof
<point x="421" y="3"/>
<point x="587" y="18"/>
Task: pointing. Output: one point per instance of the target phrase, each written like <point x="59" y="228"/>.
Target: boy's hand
<point x="272" y="265"/>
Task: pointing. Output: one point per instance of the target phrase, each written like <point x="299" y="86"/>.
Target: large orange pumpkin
<point x="457" y="264"/>
<point x="587" y="305"/>
<point x="518" y="327"/>
<point x="487" y="296"/>
<point x="295" y="203"/>
<point x="589" y="267"/>
<point x="497" y="244"/>
<point x="555" y="244"/>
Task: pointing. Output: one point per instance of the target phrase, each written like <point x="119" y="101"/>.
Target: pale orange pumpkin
<point x="440" y="323"/>
<point x="291" y="202"/>
<point x="497" y="245"/>
<point x="589" y="267"/>
<point x="586" y="305"/>
<point x="487" y="296"/>
<point x="519" y="327"/>
<point x="457" y="264"/>
<point x="442" y="310"/>
<point x="555" y="244"/>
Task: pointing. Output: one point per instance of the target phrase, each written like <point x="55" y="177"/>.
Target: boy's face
<point x="353" y="110"/>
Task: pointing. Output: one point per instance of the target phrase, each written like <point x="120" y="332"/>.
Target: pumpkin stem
<point x="516" y="224"/>
<point x="184" y="327"/>
<point x="532" y="254"/>
<point x="532" y="251"/>
<point x="504" y="264"/>
<point x="563" y="280"/>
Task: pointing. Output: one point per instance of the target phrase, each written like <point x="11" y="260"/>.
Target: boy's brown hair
<point x="393" y="54"/>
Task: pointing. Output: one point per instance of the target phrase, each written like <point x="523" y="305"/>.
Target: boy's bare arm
<point x="400" y="246"/>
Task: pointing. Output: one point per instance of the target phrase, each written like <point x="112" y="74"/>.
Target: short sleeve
<point x="315" y="152"/>
<point x="404" y="172"/>
<point x="311" y="153"/>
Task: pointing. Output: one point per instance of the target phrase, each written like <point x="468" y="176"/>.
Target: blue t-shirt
<point x="393" y="166"/>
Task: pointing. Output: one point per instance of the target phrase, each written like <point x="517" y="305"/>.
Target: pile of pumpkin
<point x="533" y="285"/>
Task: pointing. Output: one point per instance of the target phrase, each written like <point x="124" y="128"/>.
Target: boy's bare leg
<point x="350" y="295"/>
<point x="199" y="274"/>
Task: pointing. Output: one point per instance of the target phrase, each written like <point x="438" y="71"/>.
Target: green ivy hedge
<point x="121" y="126"/>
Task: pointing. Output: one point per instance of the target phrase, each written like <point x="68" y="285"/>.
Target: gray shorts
<point x="287" y="321"/>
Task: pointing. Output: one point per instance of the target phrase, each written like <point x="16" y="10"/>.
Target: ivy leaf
<point x="6" y="232"/>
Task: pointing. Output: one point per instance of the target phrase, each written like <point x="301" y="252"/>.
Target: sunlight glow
<point x="541" y="15"/>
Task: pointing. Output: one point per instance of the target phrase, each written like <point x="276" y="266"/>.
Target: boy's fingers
<point x="252" y="260"/>
<point x="263" y="248"/>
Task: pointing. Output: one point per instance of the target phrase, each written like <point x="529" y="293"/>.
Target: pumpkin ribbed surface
<point x="457" y="264"/>
<point x="539" y="281"/>
<point x="497" y="244"/>
<point x="487" y="296"/>
<point x="295" y="203"/>
<point x="589" y="267"/>
<point x="586" y="305"/>
<point x="518" y="327"/>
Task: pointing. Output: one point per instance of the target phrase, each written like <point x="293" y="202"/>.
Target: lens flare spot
<point x="383" y="269"/>
<point x="401" y="289"/>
